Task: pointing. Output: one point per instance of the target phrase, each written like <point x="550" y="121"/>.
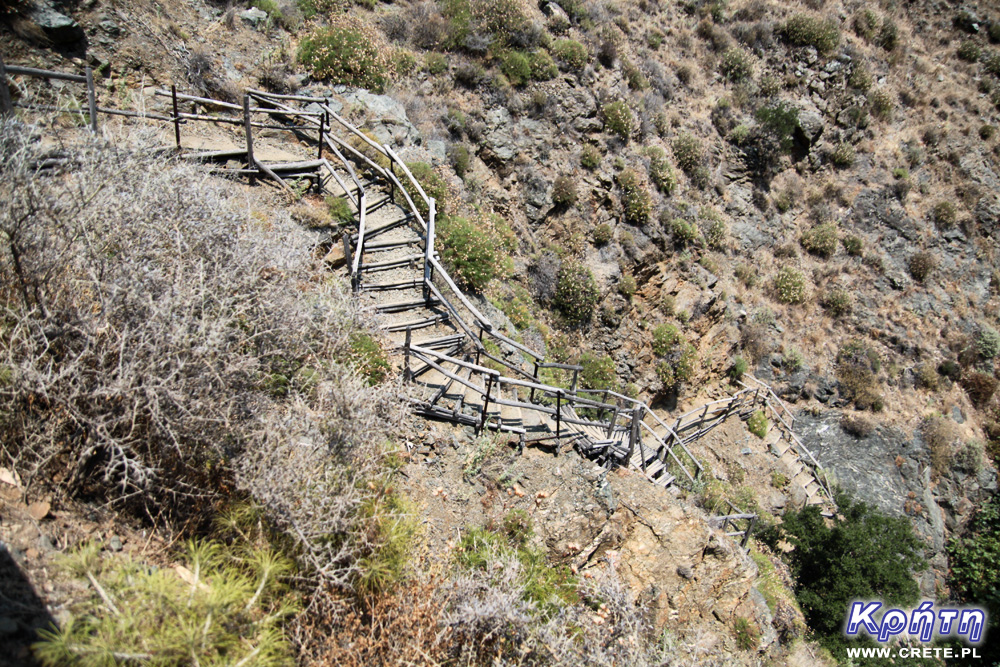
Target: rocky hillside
<point x="672" y="194"/>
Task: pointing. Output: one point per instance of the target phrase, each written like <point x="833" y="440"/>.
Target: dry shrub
<point x="483" y="617"/>
<point x="755" y="341"/>
<point x="941" y="435"/>
<point x="158" y="334"/>
<point x="857" y="424"/>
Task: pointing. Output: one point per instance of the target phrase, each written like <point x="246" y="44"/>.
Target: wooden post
<point x="91" y="99"/>
<point x="251" y="164"/>
<point x="749" y="530"/>
<point x="406" y="349"/>
<point x="633" y="434"/>
<point x="6" y="105"/>
<point x="177" y="118"/>
<point x="572" y="387"/>
<point x="486" y="403"/>
<point x="559" y="395"/>
<point x="392" y="184"/>
<point x="429" y="252"/>
<point x="532" y="399"/>
<point x="322" y="131"/>
<point x="614" y="418"/>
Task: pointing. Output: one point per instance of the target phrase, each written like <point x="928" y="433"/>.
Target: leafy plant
<point x="598" y="372"/>
<point x="576" y="293"/>
<point x="636" y="204"/>
<point x="516" y="67"/>
<point x="571" y="53"/>
<point x="736" y="64"/>
<point x="564" y="191"/>
<point x="821" y="240"/>
<point x="790" y="285"/>
<point x="973" y="575"/>
<point x="369" y="358"/>
<point x="476" y="250"/>
<point x="618" y="119"/>
<point x="347" y="53"/>
<point x="677" y="356"/>
<point x="603" y="233"/>
<point x="757" y="424"/>
<point x="808" y="30"/>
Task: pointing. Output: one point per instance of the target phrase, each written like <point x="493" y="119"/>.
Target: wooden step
<point x="403" y="306"/>
<point x="385" y="287"/>
<point x="392" y="264"/>
<point x="418" y="324"/>
<point x="385" y="246"/>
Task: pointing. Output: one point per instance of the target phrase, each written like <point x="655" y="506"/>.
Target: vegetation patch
<point x="476" y="250"/>
<point x="347" y="53"/>
<point x="576" y="293"/>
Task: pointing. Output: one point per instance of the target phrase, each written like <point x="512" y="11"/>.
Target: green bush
<point x="677" y="356"/>
<point x="969" y="51"/>
<point x="576" y="293"/>
<point x="598" y="372"/>
<point x="516" y="67"/>
<point x="475" y="250"/>
<point x="713" y="230"/>
<point x="780" y="122"/>
<point x="835" y="563"/>
<point x="837" y="302"/>
<point x="821" y="240"/>
<point x="920" y="265"/>
<point x="618" y="119"/>
<point x="853" y="245"/>
<point x="340" y="210"/>
<point x="746" y="634"/>
<point x="235" y="610"/>
<point x="636" y="203"/>
<point x="627" y="285"/>
<point x="944" y="214"/>
<point x="433" y="185"/>
<point x="543" y="68"/>
<point x="688" y="152"/>
<point x="564" y="191"/>
<point x="843" y="155"/>
<point x="807" y="30"/>
<point x="634" y="76"/>
<point x="738" y="369"/>
<point x="590" y="157"/>
<point x="346" y="54"/>
<point x="860" y="77"/>
<point x="370" y="360"/>
<point x="736" y="64"/>
<point x="974" y="577"/>
<point x="684" y="232"/>
<point x="461" y="159"/>
<point x="881" y="104"/>
<point x="435" y="63"/>
<point x="603" y="233"/>
<point x="858" y="366"/>
<point x="988" y="343"/>
<point x="571" y="53"/>
<point x="790" y="285"/>
<point x="757" y="424"/>
<point x="660" y="172"/>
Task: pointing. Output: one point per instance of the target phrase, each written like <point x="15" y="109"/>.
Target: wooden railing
<point x="623" y="419"/>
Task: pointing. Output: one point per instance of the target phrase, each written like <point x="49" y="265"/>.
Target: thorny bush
<point x="164" y="345"/>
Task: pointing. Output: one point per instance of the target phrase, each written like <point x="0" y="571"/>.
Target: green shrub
<point x="860" y="77"/>
<point x="564" y="191"/>
<point x="634" y="76"/>
<point x="516" y="67"/>
<point x="837" y="562"/>
<point x="757" y="424"/>
<point x="598" y="372"/>
<point x="576" y="293"/>
<point x="475" y="250"/>
<point x="543" y="68"/>
<point x="944" y="214"/>
<point x="746" y="634"/>
<point x="235" y="610"/>
<point x="867" y="24"/>
<point x="881" y="104"/>
<point x="991" y="62"/>
<point x="461" y="159"/>
<point x="435" y="63"/>
<point x="973" y="576"/>
<point x="858" y="366"/>
<point x="666" y="337"/>
<point x="590" y="157"/>
<point x="603" y="233"/>
<point x="677" y="356"/>
<point x="988" y="342"/>
<point x="433" y="185"/>
<point x="636" y="203"/>
<point x="986" y="132"/>
<point x="618" y="119"/>
<point x="340" y="210"/>
<point x="969" y="51"/>
<point x="821" y="240"/>
<point x="713" y="230"/>
<point x="370" y="360"/>
<point x="843" y="155"/>
<point x="736" y="64"/>
<point x="347" y="54"/>
<point x="688" y="152"/>
<point x="654" y="39"/>
<point x="738" y="368"/>
<point x="837" y="302"/>
<point x="853" y="245"/>
<point x="627" y="285"/>
<point x="807" y="30"/>
<point x="684" y="232"/>
<point x="746" y="275"/>
<point x="660" y="172"/>
<point x="790" y="285"/>
<point x="571" y="53"/>
<point x="920" y="265"/>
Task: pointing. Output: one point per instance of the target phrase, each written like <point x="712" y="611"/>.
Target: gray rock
<point x="115" y="543"/>
<point x="58" y="28"/>
<point x="8" y="626"/>
<point x="255" y="17"/>
<point x="810" y="120"/>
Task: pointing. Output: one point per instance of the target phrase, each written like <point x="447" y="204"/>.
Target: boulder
<point x="57" y="28"/>
<point x="255" y="17"/>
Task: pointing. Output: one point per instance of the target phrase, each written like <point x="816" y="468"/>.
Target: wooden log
<point x="264" y="168"/>
<point x="205" y="101"/>
<point x="45" y="74"/>
<point x="6" y="105"/>
<point x="428" y="249"/>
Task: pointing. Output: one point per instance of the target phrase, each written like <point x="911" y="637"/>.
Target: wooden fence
<point x="618" y="430"/>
